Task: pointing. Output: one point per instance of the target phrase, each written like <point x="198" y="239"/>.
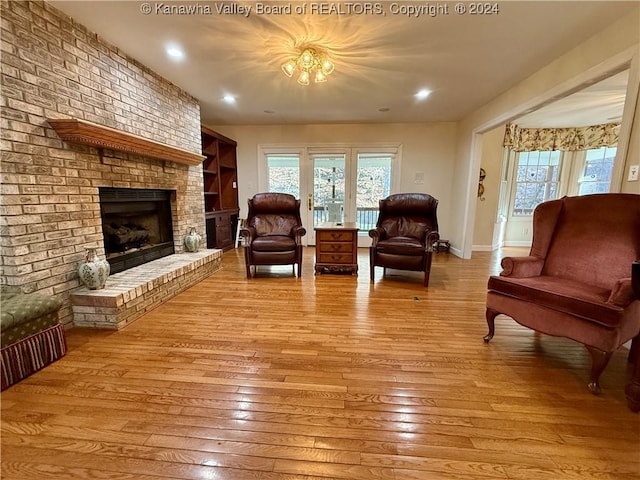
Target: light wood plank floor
<point x="323" y="377"/>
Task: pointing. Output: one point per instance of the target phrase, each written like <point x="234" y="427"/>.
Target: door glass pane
<point x="373" y="184"/>
<point x="328" y="188"/>
<point x="596" y="174"/>
<point x="283" y="174"/>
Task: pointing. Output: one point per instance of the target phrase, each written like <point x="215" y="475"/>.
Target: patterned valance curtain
<point x="563" y="139"/>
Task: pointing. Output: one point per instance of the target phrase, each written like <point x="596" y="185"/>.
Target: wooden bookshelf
<point x="220" y="172"/>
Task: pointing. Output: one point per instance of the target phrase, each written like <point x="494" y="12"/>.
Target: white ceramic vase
<point x="94" y="271"/>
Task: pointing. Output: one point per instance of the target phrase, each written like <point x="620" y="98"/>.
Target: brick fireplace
<point x="54" y="68"/>
<point x="137" y="225"/>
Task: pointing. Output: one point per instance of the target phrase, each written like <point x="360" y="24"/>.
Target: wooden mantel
<point x="74" y="130"/>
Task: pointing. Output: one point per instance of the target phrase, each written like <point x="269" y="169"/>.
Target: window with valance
<point x="521" y="139"/>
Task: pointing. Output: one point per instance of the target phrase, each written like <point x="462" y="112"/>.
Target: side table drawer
<point x="336" y="258"/>
<point x="336" y="247"/>
<point x="335" y="236"/>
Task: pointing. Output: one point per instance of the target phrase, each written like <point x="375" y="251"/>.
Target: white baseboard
<point x="482" y="248"/>
<point x="518" y="243"/>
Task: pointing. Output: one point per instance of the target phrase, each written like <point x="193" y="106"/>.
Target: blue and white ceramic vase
<point x="94" y="271"/>
<point x="192" y="241"/>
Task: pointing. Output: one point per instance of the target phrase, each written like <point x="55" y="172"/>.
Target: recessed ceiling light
<point x="422" y="94"/>
<point x="230" y="99"/>
<point x="174" y="52"/>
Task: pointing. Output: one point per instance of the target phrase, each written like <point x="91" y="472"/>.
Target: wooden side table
<point x="337" y="247"/>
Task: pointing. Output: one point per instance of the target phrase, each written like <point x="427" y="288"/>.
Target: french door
<point x="334" y="184"/>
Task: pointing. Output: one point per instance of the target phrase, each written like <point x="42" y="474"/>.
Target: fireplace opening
<point x="136" y="226"/>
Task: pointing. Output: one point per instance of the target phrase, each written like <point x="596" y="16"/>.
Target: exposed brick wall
<point x="52" y="67"/>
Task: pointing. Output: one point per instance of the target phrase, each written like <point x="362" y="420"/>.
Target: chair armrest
<point x="521" y="267"/>
<point x="299" y="232"/>
<point x="622" y="293"/>
<point x="248" y="233"/>
<point x="431" y="238"/>
<point x="376" y="234"/>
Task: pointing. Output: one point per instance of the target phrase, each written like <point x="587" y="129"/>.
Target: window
<point x="373" y="183"/>
<point x="283" y="173"/>
<point x="334" y="184"/>
<point x="596" y="172"/>
<point x="537" y="180"/>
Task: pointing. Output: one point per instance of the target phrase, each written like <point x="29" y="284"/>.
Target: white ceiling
<point x="381" y="60"/>
<point x="602" y="102"/>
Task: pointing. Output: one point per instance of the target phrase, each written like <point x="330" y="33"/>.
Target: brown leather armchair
<point x="406" y="230"/>
<point x="576" y="281"/>
<point x="273" y="231"/>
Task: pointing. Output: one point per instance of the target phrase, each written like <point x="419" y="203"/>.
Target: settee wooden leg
<point x="491" y="323"/>
<point x="599" y="361"/>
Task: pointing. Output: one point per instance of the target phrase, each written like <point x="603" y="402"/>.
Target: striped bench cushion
<point x="32" y="353"/>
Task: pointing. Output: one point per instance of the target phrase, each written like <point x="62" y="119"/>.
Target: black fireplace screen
<point x="136" y="225"/>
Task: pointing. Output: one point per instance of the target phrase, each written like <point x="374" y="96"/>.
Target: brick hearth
<point x="130" y="294"/>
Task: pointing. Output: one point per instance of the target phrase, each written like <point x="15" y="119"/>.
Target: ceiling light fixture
<point x="309" y="62"/>
<point x="422" y="94"/>
<point x="175" y="52"/>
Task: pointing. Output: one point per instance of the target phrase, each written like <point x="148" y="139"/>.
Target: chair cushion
<point x="274" y="224"/>
<point x="569" y="296"/>
<point x="273" y="243"/>
<point x="405" y="226"/>
<point x="401" y="246"/>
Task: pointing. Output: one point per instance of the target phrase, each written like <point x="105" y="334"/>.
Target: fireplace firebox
<point x="136" y="225"/>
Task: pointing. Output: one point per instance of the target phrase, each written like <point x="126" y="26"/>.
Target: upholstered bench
<point x="32" y="337"/>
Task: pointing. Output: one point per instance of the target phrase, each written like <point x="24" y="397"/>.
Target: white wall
<point x="486" y="207"/>
<point x="616" y="45"/>
<point x="426" y="147"/>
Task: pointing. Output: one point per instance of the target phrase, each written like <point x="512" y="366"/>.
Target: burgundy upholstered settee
<point x="576" y="281"/>
<point x="273" y="231"/>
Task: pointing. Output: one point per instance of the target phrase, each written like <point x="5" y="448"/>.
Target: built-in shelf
<point x="220" y="189"/>
<point x="75" y="130"/>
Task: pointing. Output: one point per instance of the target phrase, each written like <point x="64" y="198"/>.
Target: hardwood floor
<point x="322" y="377"/>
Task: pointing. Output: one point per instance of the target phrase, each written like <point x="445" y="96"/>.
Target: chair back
<point x="593" y="238"/>
<point x="274" y="214"/>
<point x="408" y="215"/>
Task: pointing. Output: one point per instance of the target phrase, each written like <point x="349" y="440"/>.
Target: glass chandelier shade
<point x="307" y="63"/>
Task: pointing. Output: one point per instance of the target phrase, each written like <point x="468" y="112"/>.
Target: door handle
<point x="310" y="201"/>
